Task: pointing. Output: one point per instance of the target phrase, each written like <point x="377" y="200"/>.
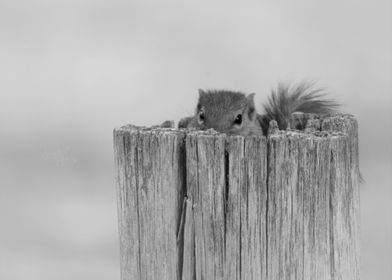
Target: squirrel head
<point x="225" y="111"/>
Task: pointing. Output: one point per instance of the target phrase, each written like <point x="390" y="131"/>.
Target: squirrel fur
<point x="234" y="113"/>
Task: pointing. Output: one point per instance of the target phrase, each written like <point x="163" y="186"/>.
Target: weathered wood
<point x="189" y="258"/>
<point x="314" y="176"/>
<point x="206" y="188"/>
<point x="347" y="257"/>
<point x="226" y="180"/>
<point x="307" y="193"/>
<point x="345" y="199"/>
<point x="246" y="208"/>
<point x="125" y="154"/>
<point x="202" y="205"/>
<point x="150" y="188"/>
<point x="285" y="208"/>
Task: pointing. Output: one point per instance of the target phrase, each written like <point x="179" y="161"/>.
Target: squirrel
<point x="234" y="112"/>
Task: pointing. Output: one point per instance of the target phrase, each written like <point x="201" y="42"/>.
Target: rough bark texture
<point x="203" y="205"/>
<point x="246" y="208"/>
<point x="226" y="181"/>
<point x="345" y="199"/>
<point x="285" y="208"/>
<point x="206" y="190"/>
<point x="301" y="174"/>
<point x="150" y="191"/>
<point x="189" y="258"/>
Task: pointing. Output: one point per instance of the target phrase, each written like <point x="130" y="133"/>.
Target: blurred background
<point x="72" y="70"/>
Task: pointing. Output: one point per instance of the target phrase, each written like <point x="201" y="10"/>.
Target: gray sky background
<point x="71" y="71"/>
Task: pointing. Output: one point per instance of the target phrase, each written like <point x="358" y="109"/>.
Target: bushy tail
<point x="286" y="100"/>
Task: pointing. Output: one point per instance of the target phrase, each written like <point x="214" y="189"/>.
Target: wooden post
<point x="246" y="250"/>
<point x="299" y="196"/>
<point x="226" y="181"/>
<point x="150" y="191"/>
<point x="345" y="198"/>
<point x="203" y="205"/>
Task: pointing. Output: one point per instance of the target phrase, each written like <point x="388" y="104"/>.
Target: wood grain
<point x="246" y="208"/>
<point x="285" y="208"/>
<point x="205" y="159"/>
<point x="150" y="188"/>
<point x="196" y="205"/>
<point x="345" y="208"/>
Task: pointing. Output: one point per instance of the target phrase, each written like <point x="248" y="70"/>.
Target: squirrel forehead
<point x="222" y="100"/>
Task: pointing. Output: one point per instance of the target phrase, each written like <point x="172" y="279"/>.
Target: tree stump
<point x="204" y="205"/>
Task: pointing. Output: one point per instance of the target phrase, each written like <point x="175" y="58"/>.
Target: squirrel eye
<point x="238" y="120"/>
<point x="201" y="117"/>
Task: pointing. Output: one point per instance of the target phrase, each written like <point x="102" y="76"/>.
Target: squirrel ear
<point x="201" y="92"/>
<point x="251" y="106"/>
<point x="250" y="97"/>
